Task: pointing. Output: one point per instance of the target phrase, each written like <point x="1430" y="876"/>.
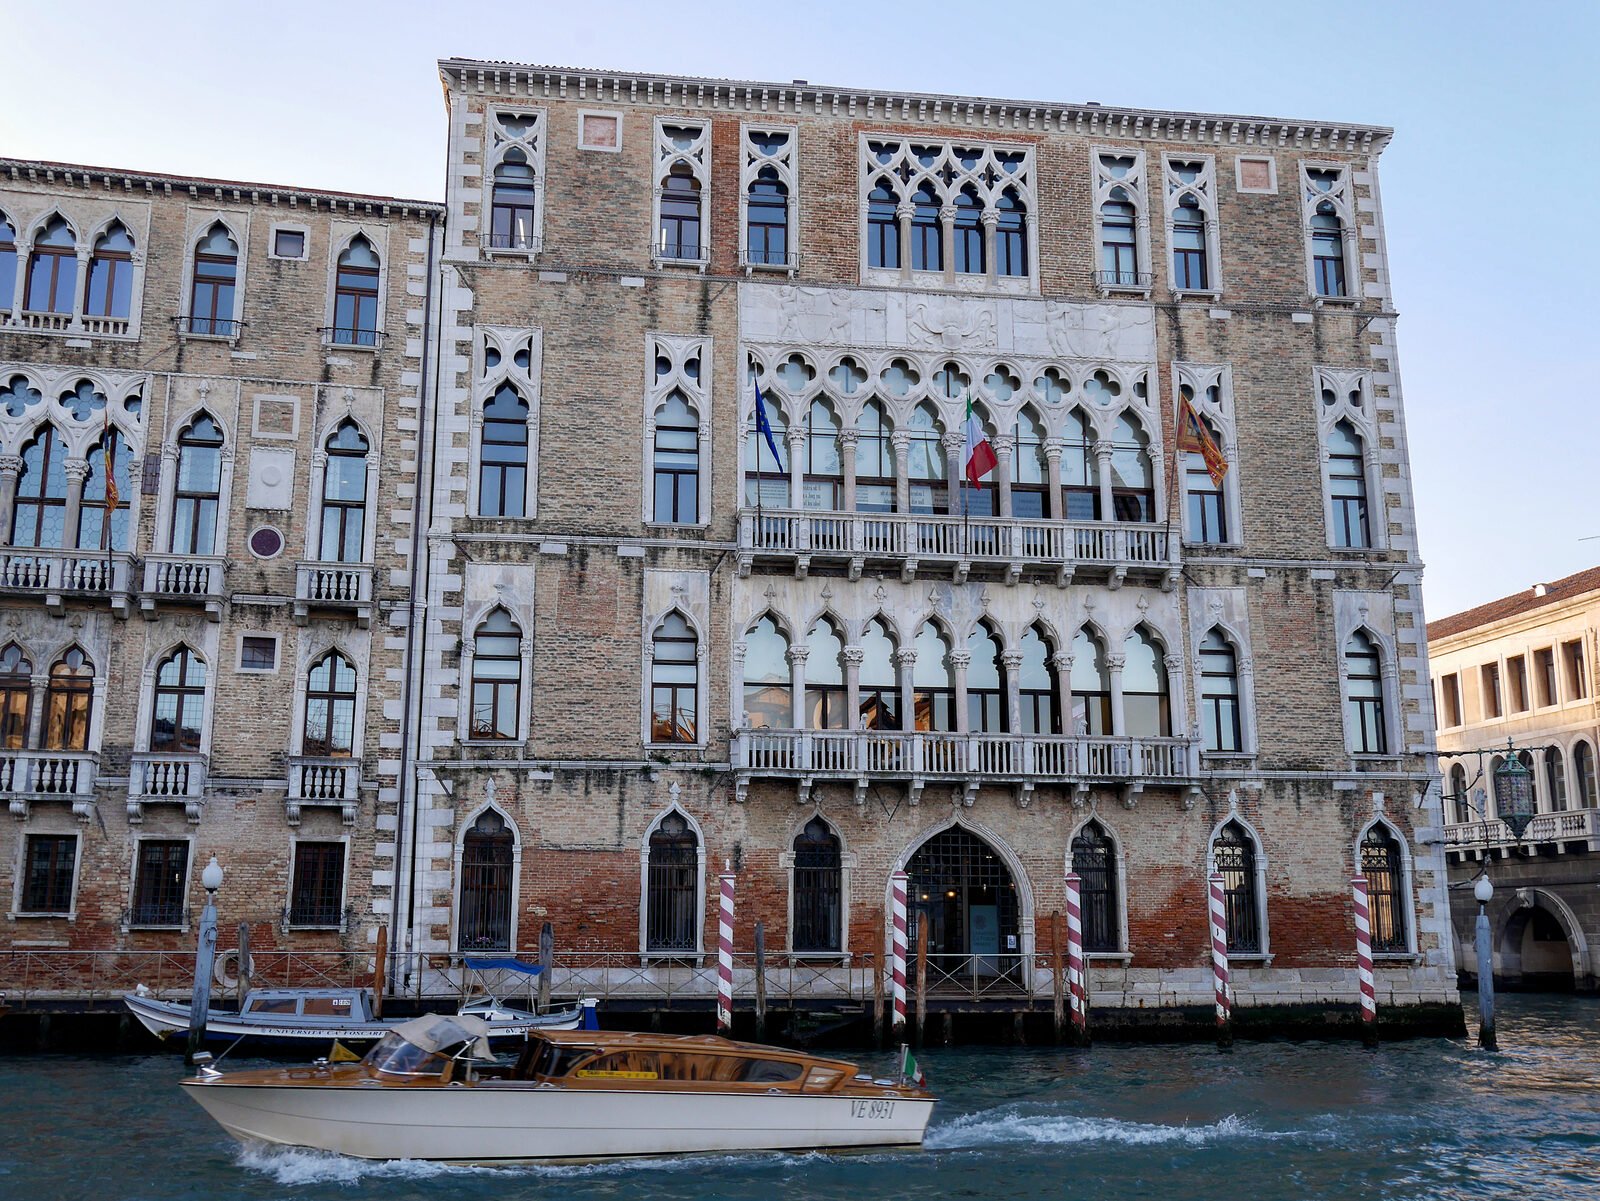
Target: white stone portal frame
<point x="847" y="868"/>
<point x="133" y="879"/>
<point x="340" y="235"/>
<point x="1133" y="183"/>
<point x="1226" y="610"/>
<point x="785" y="163"/>
<point x="474" y="615"/>
<point x="198" y="222"/>
<point x="1406" y="883"/>
<point x="1204" y="191"/>
<point x="1352" y="401"/>
<point x="679" y="351"/>
<point x="371" y="431"/>
<point x="1210" y="389"/>
<point x="51" y="826"/>
<point x="1264" y="956"/>
<point x="645" y="954"/>
<point x="462" y="830"/>
<point x="1342" y="197"/>
<point x="507" y="342"/>
<point x="697" y="157"/>
<point x="689" y="593"/>
<point x="295" y="839"/>
<point x="1013" y="864"/>
<point x="1370" y="613"/>
<point x="202" y="642"/>
<point x="310" y="648"/>
<point x="1120" y="866"/>
<point x="498" y="140"/>
<point x="224" y="410"/>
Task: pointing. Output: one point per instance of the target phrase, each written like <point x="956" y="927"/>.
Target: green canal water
<point x="1296" y="1121"/>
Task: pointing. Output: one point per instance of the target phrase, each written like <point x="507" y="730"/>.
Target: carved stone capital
<point x="954" y="440"/>
<point x="905" y="658"/>
<point x="797" y="654"/>
<point x="77" y="470"/>
<point x="853" y="655"/>
<point x="848" y="438"/>
<point x="11" y="466"/>
<point x="961" y="659"/>
<point x="1116" y="662"/>
<point x="1012" y="660"/>
<point x="1173" y="662"/>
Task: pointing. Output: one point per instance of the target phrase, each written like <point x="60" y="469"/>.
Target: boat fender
<point x="225" y="970"/>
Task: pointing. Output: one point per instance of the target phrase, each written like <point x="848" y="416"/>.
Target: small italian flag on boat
<point x="909" y="1071"/>
<point x="980" y="457"/>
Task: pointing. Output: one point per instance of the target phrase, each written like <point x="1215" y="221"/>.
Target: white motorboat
<point x="294" y="1015"/>
<point x="426" y="1092"/>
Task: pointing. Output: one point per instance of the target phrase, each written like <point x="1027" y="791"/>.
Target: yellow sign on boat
<point x="586" y="1074"/>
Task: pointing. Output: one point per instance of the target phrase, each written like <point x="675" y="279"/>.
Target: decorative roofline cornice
<point x="233" y="191"/>
<point x="512" y="80"/>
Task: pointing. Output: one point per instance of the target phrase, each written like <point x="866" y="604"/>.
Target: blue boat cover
<point x="503" y="964"/>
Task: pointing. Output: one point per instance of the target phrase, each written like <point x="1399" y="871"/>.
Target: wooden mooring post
<point x="761" y="980"/>
<point x="380" y="967"/>
<point x="922" y="978"/>
<point x="547" y="959"/>
<point x="877" y="988"/>
<point x="1058" y="990"/>
<point x="243" y="986"/>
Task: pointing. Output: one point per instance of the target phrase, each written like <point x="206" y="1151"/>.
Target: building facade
<point x="654" y="637"/>
<point x="1517" y="677"/>
<point x="206" y="463"/>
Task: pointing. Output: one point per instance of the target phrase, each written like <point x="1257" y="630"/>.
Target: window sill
<point x="225" y="339"/>
<point x="955" y="281"/>
<point x="146" y="927"/>
<point x="1374" y="761"/>
<point x="336" y="929"/>
<point x="342" y="347"/>
<point x="1122" y="957"/>
<point x="1345" y="302"/>
<point x="1253" y="960"/>
<point x="1217" y="546"/>
<point x="664" y="264"/>
<point x="1138" y="291"/>
<point x="504" y="744"/>
<point x="1207" y="294"/>
<point x="1396" y="957"/>
<point x="1243" y="759"/>
<point x="842" y="958"/>
<point x="697" y="526"/>
<point x="17" y="915"/>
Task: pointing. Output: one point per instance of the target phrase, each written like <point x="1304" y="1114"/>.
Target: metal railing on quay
<point x="36" y="974"/>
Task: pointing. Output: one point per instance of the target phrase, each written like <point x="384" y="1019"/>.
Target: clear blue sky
<point x="1491" y="187"/>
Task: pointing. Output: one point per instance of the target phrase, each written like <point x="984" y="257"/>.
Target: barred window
<point x="160" y="874"/>
<point x="818" y="889"/>
<point x="316" y="887"/>
<point x="1095" y="861"/>
<point x="49" y="863"/>
<point x="672" y="887"/>
<point x="1235" y="855"/>
<point x="487" y="859"/>
<point x="1387" y="902"/>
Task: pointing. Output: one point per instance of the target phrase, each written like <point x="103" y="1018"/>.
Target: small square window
<point x="1257" y="175"/>
<point x="288" y="243"/>
<point x="258" y="653"/>
<point x="600" y="131"/>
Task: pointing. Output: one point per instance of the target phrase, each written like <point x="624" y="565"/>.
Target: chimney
<point x="1541" y="589"/>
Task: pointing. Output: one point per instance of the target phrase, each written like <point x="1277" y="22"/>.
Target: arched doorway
<point x="488" y="854"/>
<point x="962" y="891"/>
<point x="672" y="888"/>
<point x="1540" y="946"/>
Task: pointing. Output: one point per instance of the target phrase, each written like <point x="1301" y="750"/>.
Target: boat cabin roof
<point x="706" y="1044"/>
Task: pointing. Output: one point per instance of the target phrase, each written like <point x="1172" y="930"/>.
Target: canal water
<point x="1296" y="1121"/>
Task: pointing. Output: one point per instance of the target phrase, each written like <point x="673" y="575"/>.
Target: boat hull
<point x="164" y="1018"/>
<point x="488" y="1123"/>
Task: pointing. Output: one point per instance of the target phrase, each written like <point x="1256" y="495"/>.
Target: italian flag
<point x="981" y="458"/>
<point x="909" y="1069"/>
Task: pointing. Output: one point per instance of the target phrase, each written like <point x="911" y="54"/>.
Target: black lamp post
<point x="1513" y="793"/>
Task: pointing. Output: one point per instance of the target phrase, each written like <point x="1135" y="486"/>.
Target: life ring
<point x="227" y="964"/>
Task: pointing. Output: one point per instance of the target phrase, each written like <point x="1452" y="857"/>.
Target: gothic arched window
<point x="1189" y="271"/>
<point x="198" y="492"/>
<point x="1219" y="694"/>
<point x="672" y="888"/>
<point x="110" y="288"/>
<point x="1145" y="701"/>
<point x="767" y="211"/>
<point x="52" y="269"/>
<point x="677" y="462"/>
<point x="16" y="697"/>
<point x="674" y="682"/>
<point x="488" y="853"/>
<point x="330" y="707"/>
<point x="511" y="220"/>
<point x="69" y="702"/>
<point x="1327" y="250"/>
<point x="988" y="710"/>
<point x="39" y="516"/>
<point x="883" y="227"/>
<point x="818" y="890"/>
<point x="503" y="455"/>
<point x="180" y="702"/>
<point x="767" y="694"/>
<point x="1234" y="853"/>
<point x="1036" y="684"/>
<point x="827" y="705"/>
<point x="1011" y="236"/>
<point x="1347" y="485"/>
<point x="1091" y="685"/>
<point x="1363" y="666"/>
<point x="216" y="275"/>
<point x="355" y="295"/>
<point x="879" y="690"/>
<point x="496" y="677"/>
<point x="1387" y="901"/>
<point x="344" y="496"/>
<point x="1095" y="861"/>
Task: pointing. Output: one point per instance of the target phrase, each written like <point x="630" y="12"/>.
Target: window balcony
<point x="350" y="337"/>
<point x="317" y="780"/>
<point x="50" y="322"/>
<point x="508" y="242"/>
<point x="220" y="329"/>
<point x="1572" y="830"/>
<point x="333" y="587"/>
<point x="167" y="778"/>
<point x="991" y="547"/>
<point x="864" y="758"/>
<point x="55" y="576"/>
<point x="182" y="580"/>
<point x="28" y="777"/>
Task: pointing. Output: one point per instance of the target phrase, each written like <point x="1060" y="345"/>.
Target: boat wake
<point x="1013" y="1124"/>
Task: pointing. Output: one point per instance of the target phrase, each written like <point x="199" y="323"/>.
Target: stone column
<point x="797" y="684"/>
<point x="1052" y="462"/>
<point x="80" y="289"/>
<point x="1063" y="681"/>
<point x="852" y="685"/>
<point x="1005" y="449"/>
<point x="20" y="283"/>
<point x="1177" y="702"/>
<point x="903" y="212"/>
<point x="959" y="662"/>
<point x="10" y="472"/>
<point x="1102" y="456"/>
<point x="947" y="240"/>
<point x="1119" y="716"/>
<point x="1372" y="479"/>
<point x="848" y="438"/>
<point x="796" y="438"/>
<point x="901" y="441"/>
<point x="906" y="661"/>
<point x="735" y="685"/>
<point x="77" y="471"/>
<point x="990" y="219"/>
<point x="953" y="443"/>
<point x="1013" y="665"/>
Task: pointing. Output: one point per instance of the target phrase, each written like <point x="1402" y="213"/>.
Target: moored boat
<point x="429" y="1090"/>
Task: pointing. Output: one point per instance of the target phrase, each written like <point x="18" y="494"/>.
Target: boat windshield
<point x="394" y="1056"/>
<point x="549" y="1060"/>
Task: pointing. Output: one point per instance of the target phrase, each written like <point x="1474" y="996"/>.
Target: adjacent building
<point x="658" y="632"/>
<point x="1516" y="677"/>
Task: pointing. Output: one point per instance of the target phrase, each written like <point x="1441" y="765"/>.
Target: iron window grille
<point x="672" y="888"/>
<point x="818" y="890"/>
<point x="158" y="888"/>
<point x="487" y="858"/>
<point x="317" y="887"/>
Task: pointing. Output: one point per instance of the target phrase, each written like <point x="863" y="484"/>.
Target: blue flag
<point x="764" y="427"/>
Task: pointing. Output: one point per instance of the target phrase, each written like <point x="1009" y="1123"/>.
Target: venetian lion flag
<point x="980" y="457"/>
<point x="1194" y="437"/>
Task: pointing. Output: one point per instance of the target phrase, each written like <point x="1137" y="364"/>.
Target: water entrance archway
<point x="962" y="891"/>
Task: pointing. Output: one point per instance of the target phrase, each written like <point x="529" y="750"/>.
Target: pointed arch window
<point x="1080" y="470"/>
<point x="824" y="475"/>
<point x="1031" y="474"/>
<point x="679" y="236"/>
<point x="98" y="502"/>
<point x="1347" y="484"/>
<point x="198" y="492"/>
<point x="883" y="227"/>
<point x="1091" y="685"/>
<point x="496" y="677"/>
<point x="1133" y="481"/>
<point x="511" y="220"/>
<point x="16" y="697"/>
<point x="53" y="269"/>
<point x="1327" y="251"/>
<point x="180" y="703"/>
<point x="1011" y="236"/>
<point x="39" y="517"/>
<point x="212" y="298"/>
<point x="1234" y="854"/>
<point x="1189" y="268"/>
<point x="968" y="233"/>
<point x="1036" y="684"/>
<point x="1095" y="861"/>
<point x="330" y="727"/>
<point x="827" y="704"/>
<point x="1363" y="667"/>
<point x="503" y="457"/>
<point x="925" y="461"/>
<point x="1555" y="779"/>
<point x="1219" y="695"/>
<point x="1145" y="701"/>
<point x="927" y="233"/>
<point x="1384" y="867"/>
<point x="988" y="710"/>
<point x="933" y="690"/>
<point x="1208" y="513"/>
<point x="875" y="472"/>
<point x="110" y="288"/>
<point x="677" y="462"/>
<point x="674" y="682"/>
<point x="488" y="854"/>
<point x="768" y="220"/>
<point x="1583" y="778"/>
<point x="8" y="264"/>
<point x="765" y="479"/>
<point x="1119" y="248"/>
<point x="672" y="888"/>
<point x="767" y="695"/>
<point x="355" y="295"/>
<point x="344" y="496"/>
<point x="1458" y="789"/>
<point x="818" y="890"/>
<point x="879" y="690"/>
<point x="69" y="702"/>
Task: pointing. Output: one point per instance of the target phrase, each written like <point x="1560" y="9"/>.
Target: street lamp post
<point x="205" y="953"/>
<point x="1483" y="890"/>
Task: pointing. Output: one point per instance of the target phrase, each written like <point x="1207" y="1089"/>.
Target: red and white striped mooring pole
<point x="897" y="957"/>
<point x="725" y="956"/>
<point x="1219" y="959"/>
<point x="1077" y="982"/>
<point x="1369" y="992"/>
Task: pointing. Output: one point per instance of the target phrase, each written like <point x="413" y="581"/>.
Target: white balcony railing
<point x="345" y="586"/>
<point x="167" y="777"/>
<point x="1012" y="543"/>
<point x="323" y="781"/>
<point x="42" y="320"/>
<point x="1024" y="759"/>
<point x="54" y="575"/>
<point x="1574" y="825"/>
<point x="182" y="580"/>
<point x="30" y="776"/>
